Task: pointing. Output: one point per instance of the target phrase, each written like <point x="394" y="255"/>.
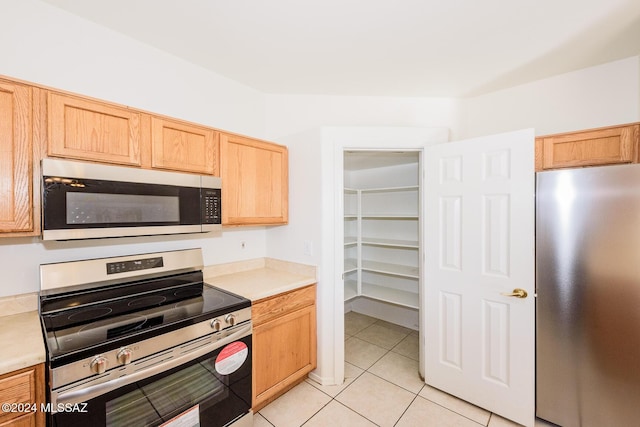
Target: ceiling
<point x="416" y="48"/>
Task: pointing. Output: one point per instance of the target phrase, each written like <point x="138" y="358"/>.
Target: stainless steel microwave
<point x="88" y="200"/>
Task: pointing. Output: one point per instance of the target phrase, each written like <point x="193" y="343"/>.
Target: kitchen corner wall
<point x="297" y="120"/>
<point x="604" y="95"/>
<point x="301" y="122"/>
<point x="597" y="96"/>
<point x="46" y="45"/>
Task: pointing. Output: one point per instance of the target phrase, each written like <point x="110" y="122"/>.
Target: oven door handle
<point x="81" y="393"/>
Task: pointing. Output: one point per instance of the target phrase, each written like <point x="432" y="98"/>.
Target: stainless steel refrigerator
<point x="588" y="304"/>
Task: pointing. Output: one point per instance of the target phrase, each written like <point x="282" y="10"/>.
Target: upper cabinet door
<point x="588" y="148"/>
<point x="16" y="157"/>
<point x="255" y="181"/>
<point x="91" y="130"/>
<point x="183" y="147"/>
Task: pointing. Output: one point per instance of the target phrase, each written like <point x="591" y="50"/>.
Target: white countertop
<point x="22" y="344"/>
<point x="260" y="278"/>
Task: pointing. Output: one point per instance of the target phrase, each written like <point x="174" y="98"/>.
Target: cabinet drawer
<point x="281" y="304"/>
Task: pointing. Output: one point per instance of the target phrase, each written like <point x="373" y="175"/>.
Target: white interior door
<point x="479" y="245"/>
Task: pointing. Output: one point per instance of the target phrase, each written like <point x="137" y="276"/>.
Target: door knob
<point x="517" y="292"/>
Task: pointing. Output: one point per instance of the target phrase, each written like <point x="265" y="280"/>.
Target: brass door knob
<point x="517" y="292"/>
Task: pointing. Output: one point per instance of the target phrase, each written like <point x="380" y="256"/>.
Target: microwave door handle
<point x="80" y="393"/>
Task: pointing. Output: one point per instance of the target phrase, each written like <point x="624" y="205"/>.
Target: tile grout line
<point x="367" y="370"/>
<point x="406" y="409"/>
<point x="333" y="398"/>
<point x="416" y="395"/>
<point x="371" y="373"/>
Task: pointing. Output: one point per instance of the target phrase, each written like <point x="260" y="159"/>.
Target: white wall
<point x="20" y="257"/>
<point x="297" y="120"/>
<point x="603" y="95"/>
<point x="316" y="181"/>
<point x="598" y="96"/>
<point x="292" y="114"/>
<point x="300" y="122"/>
<point x="305" y="201"/>
<point x="45" y="45"/>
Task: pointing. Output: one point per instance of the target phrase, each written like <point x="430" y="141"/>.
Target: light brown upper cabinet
<point x="610" y="145"/>
<point x="183" y="147"/>
<point x="255" y="181"/>
<point x="37" y="122"/>
<point x="16" y="158"/>
<point x="91" y="130"/>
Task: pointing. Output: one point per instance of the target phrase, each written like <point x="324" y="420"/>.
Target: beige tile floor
<point x="381" y="388"/>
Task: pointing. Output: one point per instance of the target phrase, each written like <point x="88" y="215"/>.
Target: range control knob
<point x="230" y="319"/>
<point x="124" y="355"/>
<point x="216" y="325"/>
<point x="98" y="365"/>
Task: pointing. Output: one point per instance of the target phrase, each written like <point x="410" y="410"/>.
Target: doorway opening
<point x="382" y="253"/>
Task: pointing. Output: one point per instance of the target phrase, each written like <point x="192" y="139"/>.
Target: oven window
<point x="167" y="397"/>
<point x="220" y="398"/>
<point x="100" y="208"/>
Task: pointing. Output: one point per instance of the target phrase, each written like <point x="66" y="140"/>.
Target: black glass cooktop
<point x="82" y="323"/>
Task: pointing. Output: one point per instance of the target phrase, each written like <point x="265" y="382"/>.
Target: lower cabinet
<point x="22" y="389"/>
<point x="284" y="343"/>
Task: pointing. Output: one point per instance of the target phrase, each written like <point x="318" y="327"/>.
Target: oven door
<point x="213" y="389"/>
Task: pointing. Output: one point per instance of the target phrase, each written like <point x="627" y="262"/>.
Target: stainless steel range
<point x="141" y="340"/>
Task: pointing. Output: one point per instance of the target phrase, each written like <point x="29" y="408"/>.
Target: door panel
<point x="495" y="234"/>
<point x="16" y="158"/>
<point x="479" y="240"/>
<point x="495" y="343"/>
<point x="450" y="329"/>
<point x="183" y="147"/>
<point x="450" y="223"/>
<point x="92" y="130"/>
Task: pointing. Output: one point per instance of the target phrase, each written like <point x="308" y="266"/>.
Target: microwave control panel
<point x="211" y="206"/>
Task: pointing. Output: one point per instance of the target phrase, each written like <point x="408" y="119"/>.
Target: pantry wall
<point x="382" y="273"/>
